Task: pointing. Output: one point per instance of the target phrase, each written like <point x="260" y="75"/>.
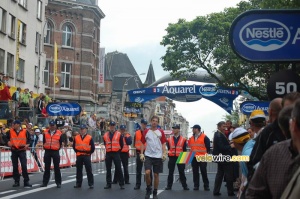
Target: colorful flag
<point x="18" y="46"/>
<point x="55" y="64"/>
<point x="185" y="158"/>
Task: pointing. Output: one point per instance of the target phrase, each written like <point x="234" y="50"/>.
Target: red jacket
<point x="4" y="93"/>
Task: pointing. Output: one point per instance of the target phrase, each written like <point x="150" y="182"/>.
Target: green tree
<point x="204" y="43"/>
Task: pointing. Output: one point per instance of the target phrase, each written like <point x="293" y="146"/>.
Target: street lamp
<point x="126" y="83"/>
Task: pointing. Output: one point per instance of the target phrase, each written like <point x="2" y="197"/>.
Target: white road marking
<point x="4" y="192"/>
<point x="72" y="176"/>
<point x="158" y="192"/>
<point x="37" y="189"/>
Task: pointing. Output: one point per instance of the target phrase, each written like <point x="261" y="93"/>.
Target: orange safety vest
<point x="198" y="145"/>
<point x="114" y="144"/>
<point x="138" y="140"/>
<point x="125" y="148"/>
<point x="83" y="145"/>
<point x="52" y="142"/>
<point x="18" y="141"/>
<point x="176" y="150"/>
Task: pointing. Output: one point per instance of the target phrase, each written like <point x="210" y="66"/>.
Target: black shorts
<point x="156" y="163"/>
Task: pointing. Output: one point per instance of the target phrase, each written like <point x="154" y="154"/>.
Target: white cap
<point x="66" y="124"/>
<point x="237" y="132"/>
<point x="37" y="131"/>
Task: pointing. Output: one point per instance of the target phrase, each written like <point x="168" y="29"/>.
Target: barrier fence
<point x="68" y="159"/>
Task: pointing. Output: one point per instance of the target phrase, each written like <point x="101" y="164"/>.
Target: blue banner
<point x="187" y="93"/>
<point x="63" y="109"/>
<point x="267" y="35"/>
<point x="248" y="106"/>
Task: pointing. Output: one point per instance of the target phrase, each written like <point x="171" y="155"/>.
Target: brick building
<point x="75" y="26"/>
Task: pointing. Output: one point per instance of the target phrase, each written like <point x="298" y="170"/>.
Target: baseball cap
<point x="112" y="123"/>
<point x="83" y="126"/>
<point x="177" y="126"/>
<point x="30" y="124"/>
<point x="239" y="135"/>
<point x="143" y="121"/>
<point x="257" y="114"/>
<point x="17" y="122"/>
<point x="52" y="123"/>
<point x="23" y="126"/>
<point x="196" y="126"/>
<point x="122" y="126"/>
<point x="37" y="130"/>
<point x="35" y="127"/>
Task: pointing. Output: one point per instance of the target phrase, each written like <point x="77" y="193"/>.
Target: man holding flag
<point x="176" y="144"/>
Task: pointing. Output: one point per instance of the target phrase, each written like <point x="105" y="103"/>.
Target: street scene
<point x="149" y="99"/>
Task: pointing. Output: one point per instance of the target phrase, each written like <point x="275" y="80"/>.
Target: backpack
<point x="14" y="96"/>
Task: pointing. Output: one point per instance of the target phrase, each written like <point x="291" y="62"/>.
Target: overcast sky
<point x="136" y="27"/>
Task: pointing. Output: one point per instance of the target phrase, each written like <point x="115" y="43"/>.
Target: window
<point x="20" y="72"/>
<point x="47" y="38"/>
<point x="46" y="73"/>
<point x="11" y="26"/>
<point x="39" y="9"/>
<point x="10" y="65"/>
<point x="2" y="55"/>
<point x="2" y="20"/>
<point x="22" y="38"/>
<point x="23" y="3"/>
<point x="67" y="36"/>
<point x="36" y="76"/>
<point x="37" y="42"/>
<point x="65" y="75"/>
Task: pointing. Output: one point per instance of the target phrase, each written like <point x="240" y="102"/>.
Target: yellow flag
<point x="55" y="64"/>
<point x="18" y="46"/>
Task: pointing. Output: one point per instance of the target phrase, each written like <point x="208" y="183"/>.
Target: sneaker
<point x="148" y="193"/>
<point x="155" y="195"/>
<point x="186" y="188"/>
<point x="91" y="186"/>
<point x="168" y="188"/>
<point x="43" y="185"/>
<point x="58" y="185"/>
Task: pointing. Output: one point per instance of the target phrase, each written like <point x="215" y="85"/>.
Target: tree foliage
<point x="204" y="43"/>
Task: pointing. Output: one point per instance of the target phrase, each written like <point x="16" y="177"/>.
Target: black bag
<point x="14" y="96"/>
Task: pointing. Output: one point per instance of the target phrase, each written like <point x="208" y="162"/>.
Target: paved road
<point x="68" y="192"/>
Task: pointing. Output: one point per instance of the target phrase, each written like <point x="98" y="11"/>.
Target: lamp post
<point x="126" y="83"/>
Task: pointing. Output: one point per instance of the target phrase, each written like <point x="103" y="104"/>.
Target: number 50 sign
<point x="283" y="82"/>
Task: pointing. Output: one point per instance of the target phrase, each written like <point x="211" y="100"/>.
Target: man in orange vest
<point x="127" y="141"/>
<point x="137" y="144"/>
<point x="113" y="142"/>
<point x="84" y="146"/>
<point x="200" y="144"/>
<point x="52" y="143"/>
<point x="19" y="140"/>
<point x="176" y="144"/>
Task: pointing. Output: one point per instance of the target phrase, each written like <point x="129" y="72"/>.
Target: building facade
<point x="21" y="27"/>
<point x="74" y="26"/>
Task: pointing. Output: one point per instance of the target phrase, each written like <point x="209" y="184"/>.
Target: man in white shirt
<point x="154" y="155"/>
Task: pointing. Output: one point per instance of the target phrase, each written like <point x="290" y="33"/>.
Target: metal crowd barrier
<point x="68" y="160"/>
